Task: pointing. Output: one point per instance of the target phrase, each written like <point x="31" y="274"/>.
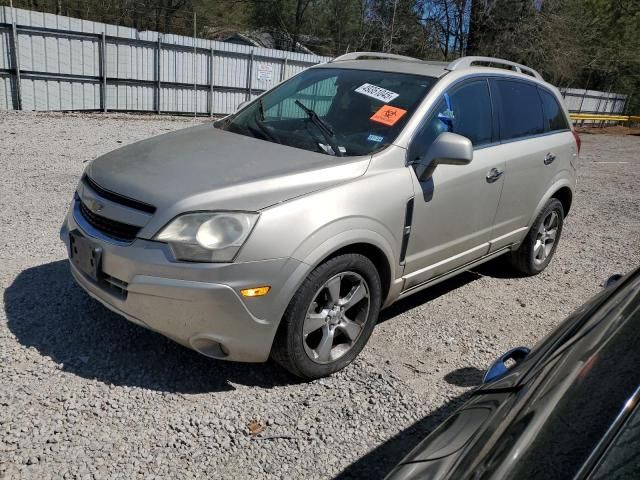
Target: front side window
<point x="520" y="109"/>
<point x="465" y="110"/>
<point x="471" y="108"/>
<point x="554" y="118"/>
<point x="342" y="112"/>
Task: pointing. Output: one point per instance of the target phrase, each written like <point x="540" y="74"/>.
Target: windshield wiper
<point x="323" y="126"/>
<point x="261" y="109"/>
<point x="264" y="131"/>
<point x="316" y="119"/>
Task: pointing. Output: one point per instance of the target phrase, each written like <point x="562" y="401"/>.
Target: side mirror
<point x="504" y="363"/>
<point x="612" y="280"/>
<point x="242" y="105"/>
<point x="447" y="149"/>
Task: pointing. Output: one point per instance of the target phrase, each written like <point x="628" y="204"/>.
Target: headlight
<point x="208" y="236"/>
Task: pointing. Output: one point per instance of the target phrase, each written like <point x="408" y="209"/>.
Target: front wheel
<point x="330" y="318"/>
<point x="538" y="247"/>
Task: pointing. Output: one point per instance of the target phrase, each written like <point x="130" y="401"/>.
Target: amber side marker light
<point x="255" y="292"/>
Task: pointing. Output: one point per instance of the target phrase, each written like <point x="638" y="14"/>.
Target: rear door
<point x="532" y="151"/>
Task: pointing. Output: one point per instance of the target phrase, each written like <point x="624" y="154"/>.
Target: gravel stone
<point x="86" y="394"/>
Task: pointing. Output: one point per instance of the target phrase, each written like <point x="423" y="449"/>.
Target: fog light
<point x="255" y="292"/>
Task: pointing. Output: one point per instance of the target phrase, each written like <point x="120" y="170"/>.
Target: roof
<point x="427" y="69"/>
<point x="390" y="62"/>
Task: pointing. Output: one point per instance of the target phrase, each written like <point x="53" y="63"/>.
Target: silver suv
<point x="283" y="229"/>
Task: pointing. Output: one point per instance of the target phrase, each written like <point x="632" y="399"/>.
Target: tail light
<point x="577" y="138"/>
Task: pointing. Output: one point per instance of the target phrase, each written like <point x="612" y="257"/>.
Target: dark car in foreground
<point x="567" y="409"/>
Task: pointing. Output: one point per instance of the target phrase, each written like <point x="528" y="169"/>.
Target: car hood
<point x="204" y="167"/>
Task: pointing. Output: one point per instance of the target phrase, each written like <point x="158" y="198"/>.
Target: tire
<point x="326" y="325"/>
<point x="539" y="246"/>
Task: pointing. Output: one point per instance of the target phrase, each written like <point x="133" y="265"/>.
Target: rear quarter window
<point x="554" y="118"/>
<point x="520" y="109"/>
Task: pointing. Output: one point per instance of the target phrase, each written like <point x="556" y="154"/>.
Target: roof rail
<point x="466" y="62"/>
<point x="365" y="55"/>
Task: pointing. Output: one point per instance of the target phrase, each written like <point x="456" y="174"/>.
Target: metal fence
<point x="594" y="101"/>
<point x="51" y="62"/>
<point x="593" y="107"/>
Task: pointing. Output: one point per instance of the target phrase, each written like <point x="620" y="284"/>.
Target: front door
<point x="454" y="210"/>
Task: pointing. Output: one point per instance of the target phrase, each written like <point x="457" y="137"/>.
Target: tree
<point x="445" y="25"/>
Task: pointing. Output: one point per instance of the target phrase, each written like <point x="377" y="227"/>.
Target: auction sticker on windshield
<point x="378" y="93"/>
<point x="388" y="115"/>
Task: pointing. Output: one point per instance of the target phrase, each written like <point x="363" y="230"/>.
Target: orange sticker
<point x="388" y="115"/>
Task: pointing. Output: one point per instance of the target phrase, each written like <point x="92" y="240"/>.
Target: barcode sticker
<point x="378" y="93"/>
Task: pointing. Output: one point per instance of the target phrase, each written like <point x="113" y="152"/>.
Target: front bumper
<point x="196" y="304"/>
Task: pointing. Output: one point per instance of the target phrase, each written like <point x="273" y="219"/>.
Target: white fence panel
<point x="594" y="101"/>
<point x="130" y="97"/>
<point x="6" y="98"/>
<point x="61" y="68"/>
<point x="5" y="49"/>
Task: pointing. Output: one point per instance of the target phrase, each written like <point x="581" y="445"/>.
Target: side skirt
<point x="454" y="272"/>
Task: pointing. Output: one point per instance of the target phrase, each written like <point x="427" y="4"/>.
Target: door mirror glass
<point x="447" y="149"/>
<point x="612" y="280"/>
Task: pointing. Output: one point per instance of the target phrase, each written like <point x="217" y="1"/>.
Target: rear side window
<point x="554" y="118"/>
<point x="520" y="109"/>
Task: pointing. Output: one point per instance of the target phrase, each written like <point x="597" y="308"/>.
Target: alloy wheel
<point x="335" y="319"/>
<point x="546" y="237"/>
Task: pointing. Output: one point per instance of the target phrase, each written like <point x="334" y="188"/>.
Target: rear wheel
<point x="330" y="318"/>
<point x="537" y="249"/>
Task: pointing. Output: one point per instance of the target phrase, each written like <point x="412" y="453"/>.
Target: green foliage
<point x="591" y="44"/>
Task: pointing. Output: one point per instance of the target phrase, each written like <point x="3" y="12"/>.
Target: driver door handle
<point x="494" y="174"/>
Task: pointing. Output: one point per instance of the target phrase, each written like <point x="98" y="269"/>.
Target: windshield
<point x="335" y="111"/>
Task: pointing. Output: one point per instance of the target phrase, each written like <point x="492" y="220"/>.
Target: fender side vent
<point x="406" y="231"/>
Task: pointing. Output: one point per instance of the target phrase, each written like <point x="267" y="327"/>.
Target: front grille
<point x="112" y="228"/>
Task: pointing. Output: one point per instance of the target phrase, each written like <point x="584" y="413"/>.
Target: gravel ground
<point x="85" y="394"/>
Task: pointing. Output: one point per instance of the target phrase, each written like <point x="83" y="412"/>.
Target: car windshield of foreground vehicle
<point x="340" y="112"/>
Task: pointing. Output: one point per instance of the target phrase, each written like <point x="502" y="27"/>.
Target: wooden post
<point x="158" y="71"/>
<point x="15" y="44"/>
<point x="249" y="76"/>
<point x="211" y="64"/>
<point x="103" y="71"/>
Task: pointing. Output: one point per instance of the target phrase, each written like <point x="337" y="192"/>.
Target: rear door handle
<point x="549" y="158"/>
<point x="494" y="174"/>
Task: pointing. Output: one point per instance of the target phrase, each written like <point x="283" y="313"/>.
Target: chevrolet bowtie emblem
<point x="94" y="205"/>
